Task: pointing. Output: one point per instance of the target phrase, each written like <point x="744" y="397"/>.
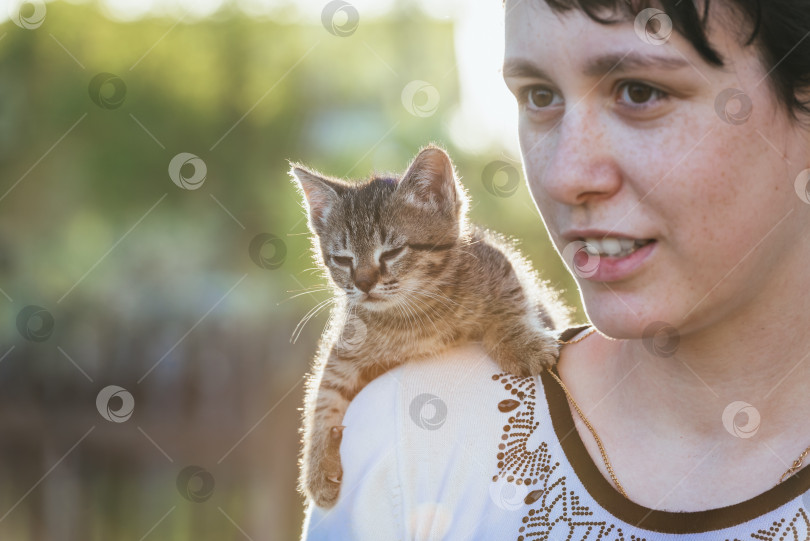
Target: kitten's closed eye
<point x="391" y="254"/>
<point x="342" y="260"/>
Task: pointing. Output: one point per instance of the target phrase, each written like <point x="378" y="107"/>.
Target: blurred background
<point x="154" y="254"/>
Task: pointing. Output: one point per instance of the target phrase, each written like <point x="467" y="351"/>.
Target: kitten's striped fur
<point x="447" y="281"/>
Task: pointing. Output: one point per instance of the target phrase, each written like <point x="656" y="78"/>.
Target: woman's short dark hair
<point x="781" y="27"/>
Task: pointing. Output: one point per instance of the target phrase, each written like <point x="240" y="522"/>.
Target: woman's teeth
<point x="613" y="246"/>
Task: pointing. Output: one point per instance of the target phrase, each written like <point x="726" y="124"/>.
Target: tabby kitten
<point x="413" y="278"/>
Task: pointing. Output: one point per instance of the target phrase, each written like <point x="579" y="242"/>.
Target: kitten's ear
<point x="430" y="180"/>
<point x="320" y="194"/>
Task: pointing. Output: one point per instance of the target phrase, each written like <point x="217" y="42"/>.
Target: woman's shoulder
<point x="461" y="369"/>
<point x="442" y="400"/>
<point x="425" y="443"/>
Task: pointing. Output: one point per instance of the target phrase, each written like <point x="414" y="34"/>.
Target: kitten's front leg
<point x="321" y="470"/>
<point x="521" y="346"/>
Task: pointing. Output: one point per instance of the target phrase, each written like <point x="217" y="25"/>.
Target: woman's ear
<point x="319" y="192"/>
<point x="430" y="181"/>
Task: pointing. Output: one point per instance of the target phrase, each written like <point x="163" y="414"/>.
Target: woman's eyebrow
<point x="599" y="65"/>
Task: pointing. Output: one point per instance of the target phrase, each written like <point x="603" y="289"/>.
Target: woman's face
<point x="657" y="152"/>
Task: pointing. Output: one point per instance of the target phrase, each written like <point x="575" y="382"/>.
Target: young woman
<point x="668" y="153"/>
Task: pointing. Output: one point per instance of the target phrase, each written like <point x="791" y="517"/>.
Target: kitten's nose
<point x="366" y="278"/>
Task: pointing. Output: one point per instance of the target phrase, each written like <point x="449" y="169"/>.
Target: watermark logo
<point x="195" y="484"/>
<point x="661" y="339"/>
<point x="507" y="495"/>
<point x="500" y="178"/>
<point x="428" y="411"/>
<point x="28" y="14"/>
<point x="653" y="26"/>
<point x="340" y="18"/>
<point x="420" y="98"/>
<point x="352" y="335"/>
<point x="579" y="258"/>
<point x="730" y="419"/>
<point x="802" y="186"/>
<point x="105" y="407"/>
<point x="267" y="251"/>
<point x="35" y="323"/>
<point x="186" y="160"/>
<point x="107" y="90"/>
<point x="728" y="114"/>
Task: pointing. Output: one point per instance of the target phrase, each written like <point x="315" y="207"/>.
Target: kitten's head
<point x="386" y="239"/>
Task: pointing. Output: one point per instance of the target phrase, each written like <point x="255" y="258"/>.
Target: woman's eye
<point x="539" y="97"/>
<point x="342" y="260"/>
<point x="640" y="93"/>
<point x="634" y="94"/>
<point x="390" y="254"/>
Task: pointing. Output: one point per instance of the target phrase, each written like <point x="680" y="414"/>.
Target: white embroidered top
<point x="456" y="449"/>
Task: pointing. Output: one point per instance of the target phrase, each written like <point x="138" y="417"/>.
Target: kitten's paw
<point x="326" y="473"/>
<point x="544" y="353"/>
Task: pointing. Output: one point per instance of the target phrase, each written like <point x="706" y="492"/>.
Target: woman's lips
<point x="603" y="268"/>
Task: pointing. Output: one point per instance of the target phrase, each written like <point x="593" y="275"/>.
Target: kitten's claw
<point x="326" y="473"/>
<point x="337" y="432"/>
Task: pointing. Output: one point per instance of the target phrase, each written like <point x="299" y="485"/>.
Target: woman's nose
<point x="580" y="159"/>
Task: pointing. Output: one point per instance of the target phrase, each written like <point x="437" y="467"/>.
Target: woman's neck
<point x="761" y="358"/>
<point x="662" y="418"/>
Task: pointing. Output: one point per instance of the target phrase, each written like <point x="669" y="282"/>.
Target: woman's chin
<point x="621" y="323"/>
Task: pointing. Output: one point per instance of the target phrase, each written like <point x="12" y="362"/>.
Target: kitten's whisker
<point x="414" y="319"/>
<point x="307" y="292"/>
<point x="304" y="321"/>
<point x="468" y="253"/>
<point x="436" y="299"/>
<point x="309" y="315"/>
<point x="405" y="311"/>
<point x="311" y="269"/>
<point x="404" y="316"/>
<point x="421" y="312"/>
<point x="407" y="300"/>
<point x="307" y="288"/>
<point x="435" y="313"/>
<point x="440" y="299"/>
<point x="435" y="294"/>
<point x="439" y="294"/>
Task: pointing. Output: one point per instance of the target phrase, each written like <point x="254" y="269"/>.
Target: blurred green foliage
<point x="93" y="229"/>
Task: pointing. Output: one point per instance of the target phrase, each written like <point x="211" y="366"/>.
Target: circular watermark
<point x="267" y="251"/>
<point x="428" y="411"/>
<point x="802" y="186"/>
<point x="107" y="90"/>
<point x="500" y="178"/>
<point x="195" y="484"/>
<point x="35" y="323"/>
<point x="352" y="335"/>
<point x="420" y="98"/>
<point x="734" y="428"/>
<point x="729" y="115"/>
<point x="28" y="14"/>
<point x="195" y="179"/>
<point x="579" y="258"/>
<point x="653" y="26"/>
<point x="661" y="339"/>
<point x="340" y="18"/>
<point x="507" y="495"/>
<point x="115" y="415"/>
